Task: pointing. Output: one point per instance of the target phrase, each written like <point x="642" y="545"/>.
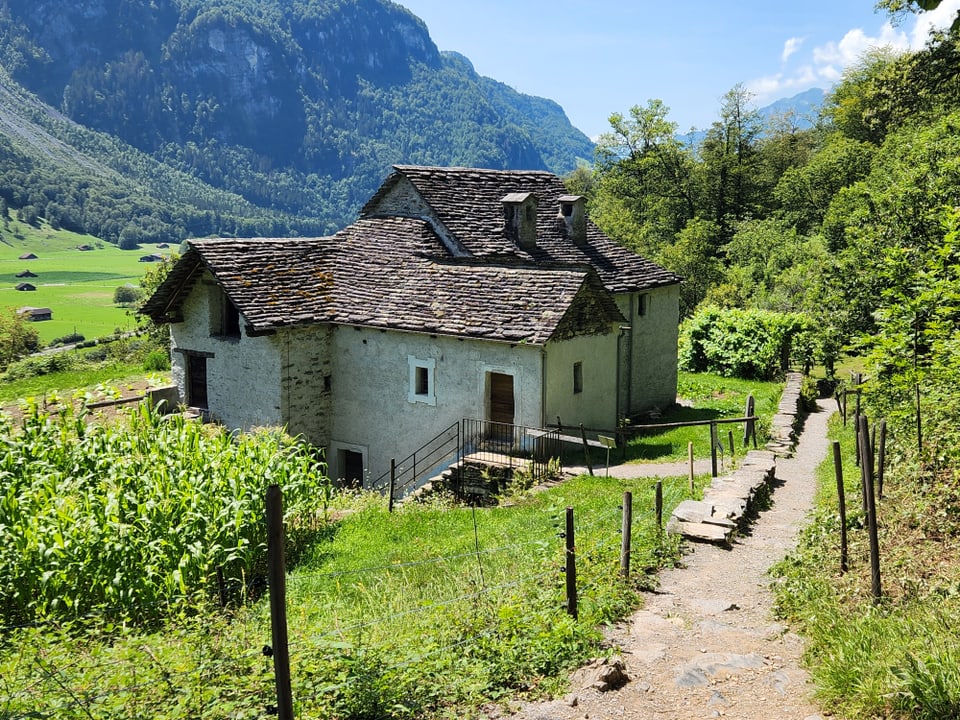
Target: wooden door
<point x="501" y="398"/>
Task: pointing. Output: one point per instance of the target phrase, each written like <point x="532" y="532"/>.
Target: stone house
<point x="458" y="293"/>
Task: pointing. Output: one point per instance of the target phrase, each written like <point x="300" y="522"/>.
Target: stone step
<point x="727" y="501"/>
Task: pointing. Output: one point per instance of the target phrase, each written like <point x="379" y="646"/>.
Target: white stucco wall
<point x="372" y="412"/>
<point x="243" y="379"/>
<point x="596" y="405"/>
<point x="653" y="356"/>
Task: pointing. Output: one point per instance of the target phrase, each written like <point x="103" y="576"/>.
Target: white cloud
<point x="941" y="18"/>
<point x="824" y="65"/>
<point x="790" y="47"/>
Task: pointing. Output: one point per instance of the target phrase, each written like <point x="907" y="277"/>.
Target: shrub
<point x="156" y="361"/>
<point x="125" y="295"/>
<point x="71" y="339"/>
<point x="41" y="365"/>
<point x="750" y="344"/>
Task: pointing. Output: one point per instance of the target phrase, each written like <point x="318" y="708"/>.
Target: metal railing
<point x="511" y="446"/>
<point x="430" y="458"/>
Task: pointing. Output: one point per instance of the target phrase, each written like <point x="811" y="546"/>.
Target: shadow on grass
<point x="670" y="444"/>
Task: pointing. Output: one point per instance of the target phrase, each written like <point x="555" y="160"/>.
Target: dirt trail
<point x="705" y="644"/>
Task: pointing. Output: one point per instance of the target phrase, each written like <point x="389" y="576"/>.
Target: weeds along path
<point x="706" y="644"/>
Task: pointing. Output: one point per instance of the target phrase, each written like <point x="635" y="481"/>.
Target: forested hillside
<point x="297" y="109"/>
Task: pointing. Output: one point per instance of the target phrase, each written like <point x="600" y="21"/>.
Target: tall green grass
<point x="899" y="658"/>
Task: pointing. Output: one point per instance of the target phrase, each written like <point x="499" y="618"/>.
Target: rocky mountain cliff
<point x="295" y="106"/>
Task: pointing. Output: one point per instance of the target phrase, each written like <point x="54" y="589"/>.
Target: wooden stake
<point x="625" y="530"/>
<point x="841" y="499"/>
<point x="277" y="579"/>
<point x="571" y="566"/>
<point x="586" y="449"/>
<point x="867" y="473"/>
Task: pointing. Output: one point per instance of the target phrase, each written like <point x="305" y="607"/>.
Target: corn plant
<point x="129" y="520"/>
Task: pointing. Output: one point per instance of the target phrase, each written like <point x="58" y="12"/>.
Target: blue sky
<point x="604" y="56"/>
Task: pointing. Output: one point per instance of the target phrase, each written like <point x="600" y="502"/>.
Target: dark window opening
<point x="577" y="377"/>
<point x="231" y="319"/>
<point x="351" y="468"/>
<point x="642" y="305"/>
<point x="422" y="381"/>
<point x="327" y="382"/>
<point x="197" y="381"/>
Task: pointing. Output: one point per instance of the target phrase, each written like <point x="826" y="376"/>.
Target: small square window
<point x="422" y="388"/>
<point x="577" y="377"/>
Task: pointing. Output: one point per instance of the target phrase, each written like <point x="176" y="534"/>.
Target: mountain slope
<point x="297" y="107"/>
<point x="92" y="182"/>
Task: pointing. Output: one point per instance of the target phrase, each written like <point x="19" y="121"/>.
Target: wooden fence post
<point x="586" y="449"/>
<point x="625" y="530"/>
<point x="866" y="470"/>
<point x="393" y="483"/>
<point x="690" y="462"/>
<point x="658" y="503"/>
<point x="856" y="427"/>
<point x="750" y="426"/>
<point x="841" y="499"/>
<point x="713" y="448"/>
<point x="571" y="566"/>
<point x="277" y="580"/>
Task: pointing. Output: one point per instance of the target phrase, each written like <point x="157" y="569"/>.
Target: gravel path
<point x="705" y="644"/>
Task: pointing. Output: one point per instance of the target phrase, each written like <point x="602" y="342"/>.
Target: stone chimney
<point x="573" y="218"/>
<point x="520" y="219"/>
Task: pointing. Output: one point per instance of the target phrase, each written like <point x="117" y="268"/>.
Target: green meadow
<point x="77" y="285"/>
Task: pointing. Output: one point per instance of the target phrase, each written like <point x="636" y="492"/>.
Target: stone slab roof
<point x="390" y="273"/>
<point x="467" y="202"/>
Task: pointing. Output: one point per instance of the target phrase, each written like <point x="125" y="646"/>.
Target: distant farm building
<point x="163" y="245"/>
<point x="84" y="248"/>
<point x="26" y="274"/>
<point x="151" y="258"/>
<point x="28" y="256"/>
<point x="25" y="286"/>
<point x="35" y="314"/>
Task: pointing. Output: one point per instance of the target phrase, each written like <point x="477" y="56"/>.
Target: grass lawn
<point x="705" y="397"/>
<point x="78" y="285"/>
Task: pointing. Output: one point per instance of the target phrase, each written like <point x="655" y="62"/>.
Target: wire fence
<point x="349" y="628"/>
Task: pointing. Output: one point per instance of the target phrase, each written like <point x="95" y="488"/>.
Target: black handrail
<point x="441" y="450"/>
<point x="511" y="445"/>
